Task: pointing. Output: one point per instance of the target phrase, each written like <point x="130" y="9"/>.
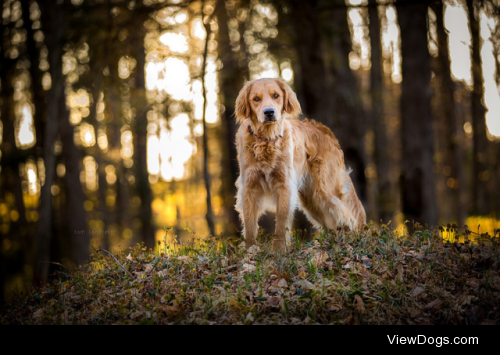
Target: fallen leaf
<point x="283" y="284"/>
<point x="434" y="306"/>
<point x="473" y="282"/>
<point x="234" y="305"/>
<point x="414" y="313"/>
<point x="495" y="282"/>
<point x="401" y="273"/>
<point x="249" y="319"/>
<point x="335" y="307"/>
<point x="274" y="301"/>
<point x="184" y="258"/>
<point x="417" y="291"/>
<point x="248" y="268"/>
<point x="306" y="285"/>
<point x="366" y="261"/>
<point x="231" y="268"/>
<point x="319" y="258"/>
<point x="359" y="304"/>
<point x="365" y="273"/>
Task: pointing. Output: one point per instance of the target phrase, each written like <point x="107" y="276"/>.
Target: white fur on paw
<point x="253" y="250"/>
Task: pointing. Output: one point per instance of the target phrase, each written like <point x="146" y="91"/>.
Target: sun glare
<point x="26" y="134"/>
<point x="176" y="42"/>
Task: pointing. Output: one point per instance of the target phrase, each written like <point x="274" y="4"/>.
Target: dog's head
<point x="266" y="101"/>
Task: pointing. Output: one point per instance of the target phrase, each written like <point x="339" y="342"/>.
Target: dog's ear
<point x="243" y="109"/>
<point x="290" y="102"/>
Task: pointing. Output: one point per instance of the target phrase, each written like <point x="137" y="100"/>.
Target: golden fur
<point x="302" y="169"/>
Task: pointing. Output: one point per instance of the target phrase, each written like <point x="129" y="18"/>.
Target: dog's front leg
<point x="283" y="218"/>
<point x="252" y="193"/>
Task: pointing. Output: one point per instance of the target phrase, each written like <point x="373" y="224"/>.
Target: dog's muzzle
<point x="270" y="114"/>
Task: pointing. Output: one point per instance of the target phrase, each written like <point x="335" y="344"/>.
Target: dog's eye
<point x="276" y="96"/>
<point x="256" y="99"/>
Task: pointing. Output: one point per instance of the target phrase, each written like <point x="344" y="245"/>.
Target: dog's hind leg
<point x="325" y="211"/>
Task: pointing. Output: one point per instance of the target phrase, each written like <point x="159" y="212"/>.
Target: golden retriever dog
<point x="287" y="164"/>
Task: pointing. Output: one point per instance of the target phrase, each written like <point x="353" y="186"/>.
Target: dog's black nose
<point x="269" y="113"/>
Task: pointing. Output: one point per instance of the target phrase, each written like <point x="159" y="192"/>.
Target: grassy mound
<point x="374" y="277"/>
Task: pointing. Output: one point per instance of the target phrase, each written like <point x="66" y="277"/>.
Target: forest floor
<point x="373" y="277"/>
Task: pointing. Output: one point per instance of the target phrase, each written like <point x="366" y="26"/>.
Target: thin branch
<point x="105" y="251"/>
<point x="206" y="174"/>
<point x="63" y="273"/>
<point x="50" y="262"/>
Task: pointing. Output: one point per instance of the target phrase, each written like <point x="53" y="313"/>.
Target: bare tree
<point x="382" y="159"/>
<point x="317" y="100"/>
<point x="231" y="80"/>
<point x="206" y="174"/>
<point x="55" y="24"/>
<point x="33" y="55"/>
<point x="350" y="119"/>
<point x="140" y="130"/>
<point x="480" y="194"/>
<point x="417" y="179"/>
<point x="454" y="138"/>
<point x="76" y="216"/>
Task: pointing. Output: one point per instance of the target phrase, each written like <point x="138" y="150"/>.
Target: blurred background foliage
<point x="117" y="115"/>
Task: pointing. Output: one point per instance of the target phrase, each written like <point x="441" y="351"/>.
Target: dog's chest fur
<point x="266" y="155"/>
<point x="273" y="159"/>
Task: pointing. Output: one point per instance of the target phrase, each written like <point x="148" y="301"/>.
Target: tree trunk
<point x="36" y="77"/>
<point x="77" y="222"/>
<point x="101" y="166"/>
<point x="141" y="137"/>
<point x="497" y="174"/>
<point x="454" y="137"/>
<point x="385" y="184"/>
<point x="206" y="174"/>
<point x="417" y="180"/>
<point x="349" y="115"/>
<point x="480" y="195"/>
<point x="55" y="27"/>
<point x="231" y="80"/>
<point x="317" y="97"/>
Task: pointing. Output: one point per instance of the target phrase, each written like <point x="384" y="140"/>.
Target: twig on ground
<point x="63" y="273"/>
<point x="100" y="249"/>
<point x="50" y="262"/>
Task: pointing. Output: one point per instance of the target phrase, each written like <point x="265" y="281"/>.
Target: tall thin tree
<point x="454" y="140"/>
<point x="206" y="174"/>
<point x="417" y="179"/>
<point x="349" y="116"/>
<point x="231" y="79"/>
<point x="140" y="124"/>
<point x="480" y="170"/>
<point x="382" y="159"/>
<point x="55" y="25"/>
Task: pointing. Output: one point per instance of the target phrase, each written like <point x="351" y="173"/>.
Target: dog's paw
<point x="253" y="250"/>
<point x="280" y="246"/>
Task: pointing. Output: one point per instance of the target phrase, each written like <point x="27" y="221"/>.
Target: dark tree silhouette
<point x="480" y="196"/>
<point x="231" y="79"/>
<point x="417" y="177"/>
<point x="454" y="131"/>
<point x="55" y="25"/>
<point x="383" y="163"/>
